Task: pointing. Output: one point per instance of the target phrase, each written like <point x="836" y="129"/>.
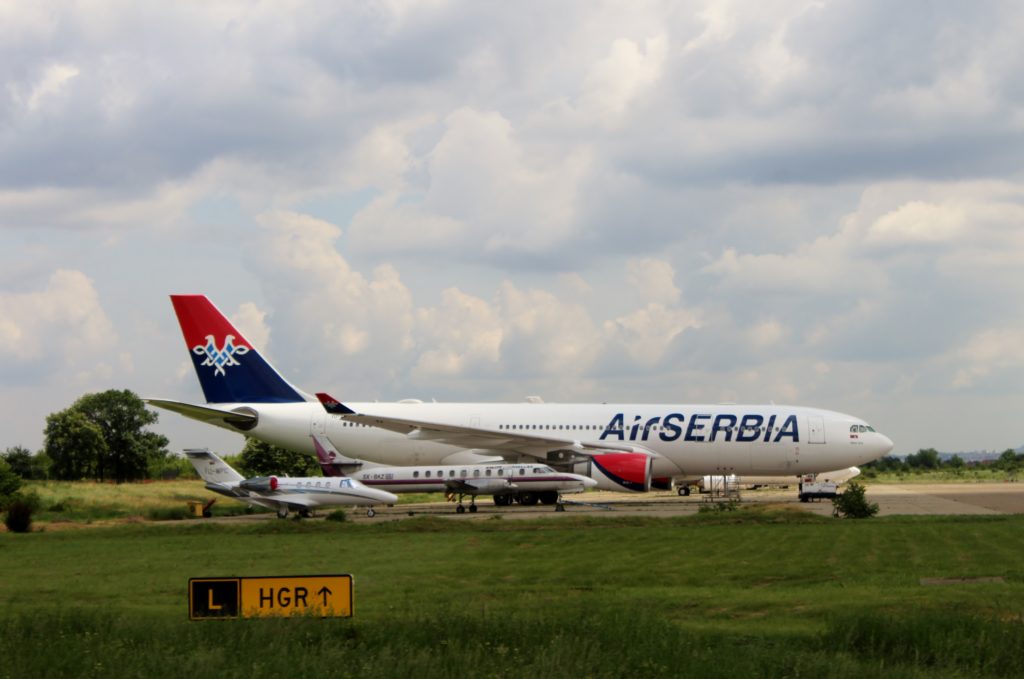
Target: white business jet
<point x="284" y="494"/>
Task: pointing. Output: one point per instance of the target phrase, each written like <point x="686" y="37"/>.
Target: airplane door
<point x="318" y="422"/>
<point x="815" y="429"/>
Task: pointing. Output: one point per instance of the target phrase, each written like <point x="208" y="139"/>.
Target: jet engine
<point x="663" y="483"/>
<point x="260" y="484"/>
<point x="621" y="471"/>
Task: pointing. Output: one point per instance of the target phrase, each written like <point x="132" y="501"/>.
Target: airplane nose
<point x="384" y="497"/>
<point x="589" y="482"/>
<point x="885" y="444"/>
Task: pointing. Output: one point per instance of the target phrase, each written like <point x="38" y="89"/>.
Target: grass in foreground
<point x="731" y="594"/>
<point x="456" y="642"/>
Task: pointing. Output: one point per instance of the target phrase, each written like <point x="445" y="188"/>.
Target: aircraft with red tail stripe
<point x="527" y="484"/>
<point x="623" y="447"/>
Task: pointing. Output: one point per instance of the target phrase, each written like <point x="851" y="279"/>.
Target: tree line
<point x="104" y="437"/>
<point x="929" y="459"/>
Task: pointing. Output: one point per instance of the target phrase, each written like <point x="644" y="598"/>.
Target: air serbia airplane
<point x="526" y="484"/>
<point x="623" y="447"/>
<point x="285" y="493"/>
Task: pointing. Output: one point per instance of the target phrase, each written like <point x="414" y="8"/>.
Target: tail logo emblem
<point x="222" y="358"/>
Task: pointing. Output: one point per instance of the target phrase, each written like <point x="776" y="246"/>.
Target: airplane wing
<point x="204" y="413"/>
<point x="472" y="437"/>
<point x="478" y="486"/>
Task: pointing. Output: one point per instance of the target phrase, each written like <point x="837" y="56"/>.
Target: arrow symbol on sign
<point x="324" y="592"/>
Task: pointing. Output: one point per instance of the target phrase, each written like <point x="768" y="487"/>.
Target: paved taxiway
<point x="892" y="499"/>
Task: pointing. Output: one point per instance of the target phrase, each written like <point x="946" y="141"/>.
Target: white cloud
<point x="989" y="351"/>
<point x="917" y="222"/>
<point x="646" y="334"/>
<point x="62" y="327"/>
<point x="54" y="79"/>
<point x="822" y="183"/>
<point x="623" y="75"/>
<point x="464" y="333"/>
<point x="251" y="322"/>
<point x="767" y="334"/>
<point x="487" y="193"/>
<point x="654" y="279"/>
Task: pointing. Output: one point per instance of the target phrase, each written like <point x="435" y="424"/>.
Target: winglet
<point x="333" y="405"/>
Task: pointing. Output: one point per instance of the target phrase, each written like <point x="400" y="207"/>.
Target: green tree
<point x="9" y="482"/>
<point x="890" y="463"/>
<point x="75" y="446"/>
<point x="122" y="416"/>
<point x="956" y="463"/>
<point x="259" y="458"/>
<point x="26" y="464"/>
<point x="1008" y="461"/>
<point x="924" y="459"/>
<point x="102" y="436"/>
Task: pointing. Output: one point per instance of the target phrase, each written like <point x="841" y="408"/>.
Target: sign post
<point x="256" y="597"/>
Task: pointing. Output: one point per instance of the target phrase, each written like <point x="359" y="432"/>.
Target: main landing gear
<point x="461" y="509"/>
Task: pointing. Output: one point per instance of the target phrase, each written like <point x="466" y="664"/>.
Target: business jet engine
<point x="260" y="484"/>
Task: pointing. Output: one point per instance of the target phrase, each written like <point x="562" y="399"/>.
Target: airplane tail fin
<point x="229" y="368"/>
<point x="332" y="461"/>
<point x="325" y="455"/>
<point x="212" y="469"/>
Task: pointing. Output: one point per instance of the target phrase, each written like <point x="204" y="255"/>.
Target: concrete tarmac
<point x="892" y="499"/>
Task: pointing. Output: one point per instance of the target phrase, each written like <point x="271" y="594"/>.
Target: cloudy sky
<point x="817" y="203"/>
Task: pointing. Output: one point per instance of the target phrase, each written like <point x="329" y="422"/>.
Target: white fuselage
<point x="321" y="492"/>
<point x="478" y="479"/>
<point x="685" y="440"/>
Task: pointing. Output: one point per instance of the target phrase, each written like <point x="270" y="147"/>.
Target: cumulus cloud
<point x="486" y="194"/>
<point x="60" y="328"/>
<point x="654" y="279"/>
<point x="452" y="193"/>
<point x="463" y="334"/>
<point x="251" y="322"/>
<point x="336" y="311"/>
<point x="987" y="352"/>
<point x="519" y="332"/>
<point x="918" y="222"/>
<point x="623" y="75"/>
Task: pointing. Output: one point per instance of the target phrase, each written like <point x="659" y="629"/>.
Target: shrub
<point x="852" y="503"/>
<point x="19" y="516"/>
<point x="730" y="506"/>
<point x="336" y="515"/>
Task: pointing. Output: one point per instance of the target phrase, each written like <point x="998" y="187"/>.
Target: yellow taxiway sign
<point x="252" y="597"/>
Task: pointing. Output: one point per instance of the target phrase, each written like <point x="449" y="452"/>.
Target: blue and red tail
<point x="229" y="368"/>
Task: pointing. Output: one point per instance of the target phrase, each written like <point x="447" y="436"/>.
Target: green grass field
<point x="88" y="502"/>
<point x="747" y="593"/>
